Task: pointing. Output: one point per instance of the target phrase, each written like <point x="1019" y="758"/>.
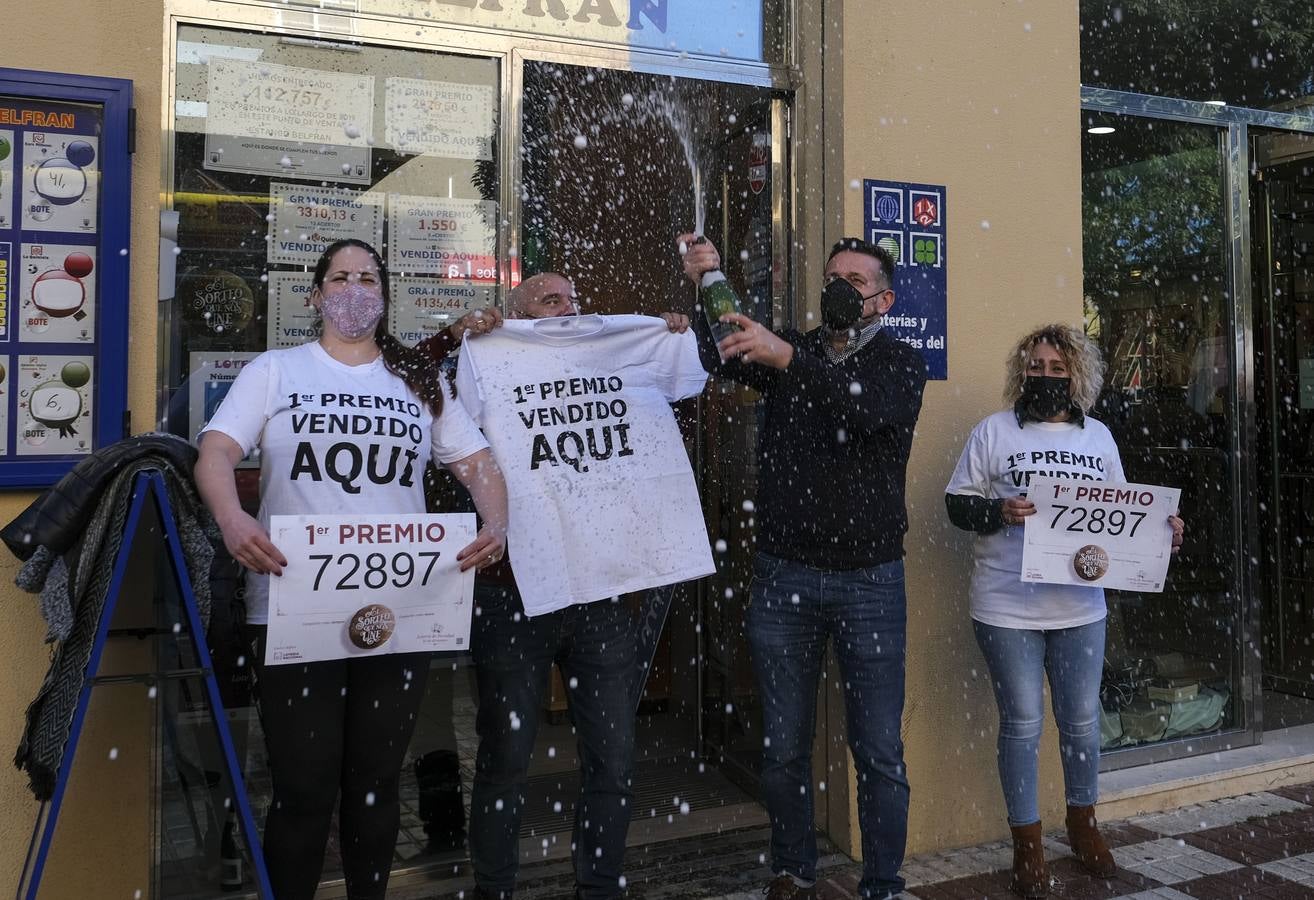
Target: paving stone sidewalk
<point x="1241" y="848"/>
<point x="1253" y="847"/>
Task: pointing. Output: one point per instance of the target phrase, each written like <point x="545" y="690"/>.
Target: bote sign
<point x="601" y="12"/>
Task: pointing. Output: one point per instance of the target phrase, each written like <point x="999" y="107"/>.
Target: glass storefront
<point x="1157" y="298"/>
<point x="1197" y="154"/>
<point x="472" y="169"/>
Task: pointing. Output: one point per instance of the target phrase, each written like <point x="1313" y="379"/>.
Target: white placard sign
<point x="267" y="119"/>
<point x="444" y="236"/>
<point x="439" y="118"/>
<point x="1099" y="534"/>
<point x="305" y="220"/>
<point x="290" y="320"/>
<point x="421" y="307"/>
<point x="369" y="585"/>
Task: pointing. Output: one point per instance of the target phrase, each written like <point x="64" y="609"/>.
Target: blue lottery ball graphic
<point x="887" y="208"/>
<point x="80" y="154"/>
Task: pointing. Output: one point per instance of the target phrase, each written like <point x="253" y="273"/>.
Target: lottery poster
<point x="305" y="220"/>
<point x="57" y="293"/>
<point x="60" y="182"/>
<point x="421" y="307"/>
<point x="7" y="185"/>
<point x="288" y="121"/>
<point x="445" y="236"/>
<point x="290" y="320"/>
<point x="209" y="377"/>
<point x="55" y="396"/>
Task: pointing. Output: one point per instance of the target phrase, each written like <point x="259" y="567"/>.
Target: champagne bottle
<point x="718" y="298"/>
<point x="230" y="860"/>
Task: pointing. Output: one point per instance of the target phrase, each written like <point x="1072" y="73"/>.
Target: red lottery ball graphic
<point x="79" y="265"/>
<point x="57" y="293"/>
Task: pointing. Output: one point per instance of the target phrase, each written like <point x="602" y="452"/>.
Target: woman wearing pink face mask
<point x="343" y="425"/>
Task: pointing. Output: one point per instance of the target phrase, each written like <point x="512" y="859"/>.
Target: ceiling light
<point x="1215" y="103"/>
<point x="1101" y="129"/>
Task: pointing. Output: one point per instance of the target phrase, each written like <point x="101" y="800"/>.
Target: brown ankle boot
<point x="1088" y="845"/>
<point x="1029" y="876"/>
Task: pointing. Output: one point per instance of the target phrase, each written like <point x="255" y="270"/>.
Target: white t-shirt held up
<point x="577" y="411"/>
<point x="997" y="463"/>
<point x="335" y="439"/>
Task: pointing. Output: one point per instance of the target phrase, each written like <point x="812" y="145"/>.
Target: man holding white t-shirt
<point x="603" y="502"/>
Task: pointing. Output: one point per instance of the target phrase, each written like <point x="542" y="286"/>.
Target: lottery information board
<point x="65" y="179"/>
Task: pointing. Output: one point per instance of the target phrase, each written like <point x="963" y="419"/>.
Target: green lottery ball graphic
<point x="5" y="149"/>
<point x="74" y="374"/>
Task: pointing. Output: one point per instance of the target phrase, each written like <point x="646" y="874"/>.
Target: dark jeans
<point x="594" y="647"/>
<point x="793" y="609"/>
<point x="329" y="726"/>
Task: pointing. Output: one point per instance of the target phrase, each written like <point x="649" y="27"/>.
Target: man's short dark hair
<point x="858" y="245"/>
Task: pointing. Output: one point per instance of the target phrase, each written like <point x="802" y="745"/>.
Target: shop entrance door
<point x="1282" y="192"/>
<point x="615" y="164"/>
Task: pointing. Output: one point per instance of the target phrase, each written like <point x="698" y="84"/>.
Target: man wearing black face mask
<point x="841" y="402"/>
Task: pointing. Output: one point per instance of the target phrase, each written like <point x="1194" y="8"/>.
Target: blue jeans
<point x="793" y="609"/>
<point x="1018" y="660"/>
<point x="593" y="645"/>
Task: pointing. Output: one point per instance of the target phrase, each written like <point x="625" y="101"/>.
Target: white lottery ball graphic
<point x="57" y="293"/>
<point x="59" y="181"/>
<point x="55" y="404"/>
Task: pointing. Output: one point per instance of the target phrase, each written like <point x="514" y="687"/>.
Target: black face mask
<point x="1045" y="396"/>
<point x="841" y="305"/>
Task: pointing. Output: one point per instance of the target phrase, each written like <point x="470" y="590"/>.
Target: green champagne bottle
<point x="718" y="298"/>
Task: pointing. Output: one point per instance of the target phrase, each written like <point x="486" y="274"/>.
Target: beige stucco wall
<point x="102" y="845"/>
<point x="979" y="96"/>
<point x="983" y="98"/>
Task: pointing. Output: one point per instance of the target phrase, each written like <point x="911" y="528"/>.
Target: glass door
<point x="281" y="145"/>
<point x="615" y="164"/>
<point x="1282" y="225"/>
<point x="1159" y="299"/>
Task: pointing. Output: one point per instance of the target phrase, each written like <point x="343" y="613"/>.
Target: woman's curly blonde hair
<point x="1079" y="352"/>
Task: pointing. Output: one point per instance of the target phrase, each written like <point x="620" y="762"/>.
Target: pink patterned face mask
<point x="354" y="310"/>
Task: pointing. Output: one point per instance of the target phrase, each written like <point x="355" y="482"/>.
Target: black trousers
<point x="333" y="727"/>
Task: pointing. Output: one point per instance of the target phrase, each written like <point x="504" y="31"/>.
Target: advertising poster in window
<point x="55" y="396"/>
<point x="57" y="291"/>
<point x="440" y="118"/>
<point x="291" y="320"/>
<point x="60" y="182"/>
<point x="209" y="376"/>
<point x="305" y="220"/>
<point x="421" y="307"/>
<point x="444" y="236"/>
<point x="287" y="121"/>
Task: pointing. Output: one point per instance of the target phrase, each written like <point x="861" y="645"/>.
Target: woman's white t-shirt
<point x="335" y="439"/>
<point x="998" y="462"/>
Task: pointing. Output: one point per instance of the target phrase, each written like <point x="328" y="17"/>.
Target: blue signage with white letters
<point x="908" y="220"/>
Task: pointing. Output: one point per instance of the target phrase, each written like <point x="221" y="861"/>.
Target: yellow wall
<point x="121" y="39"/>
<point x="982" y="97"/>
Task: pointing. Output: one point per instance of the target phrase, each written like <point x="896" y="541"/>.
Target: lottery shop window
<point x="283" y="145"/>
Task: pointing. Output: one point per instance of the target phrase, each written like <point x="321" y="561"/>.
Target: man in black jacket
<point x="841" y="402"/>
